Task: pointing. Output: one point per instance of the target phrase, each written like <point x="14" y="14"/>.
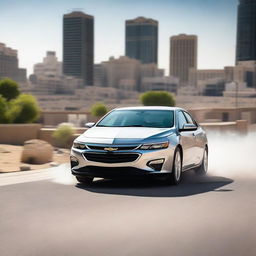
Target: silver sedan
<point x="140" y="141"/>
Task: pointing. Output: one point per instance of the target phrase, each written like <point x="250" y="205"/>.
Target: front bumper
<point x="115" y="172"/>
<point x="138" y="168"/>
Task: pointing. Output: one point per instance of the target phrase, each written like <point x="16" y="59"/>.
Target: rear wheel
<point x="203" y="168"/>
<point x="175" y="176"/>
<point x="85" y="180"/>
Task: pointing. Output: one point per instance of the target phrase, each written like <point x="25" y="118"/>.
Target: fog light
<point x="73" y="161"/>
<point x="156" y="164"/>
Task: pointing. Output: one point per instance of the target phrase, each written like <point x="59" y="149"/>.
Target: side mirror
<point x="89" y="125"/>
<point x="188" y="127"/>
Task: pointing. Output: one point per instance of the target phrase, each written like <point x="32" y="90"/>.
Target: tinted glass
<point x="139" y="118"/>
<point x="189" y="119"/>
<point x="181" y="120"/>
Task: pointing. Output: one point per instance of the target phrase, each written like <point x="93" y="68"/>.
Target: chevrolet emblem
<point x="111" y="149"/>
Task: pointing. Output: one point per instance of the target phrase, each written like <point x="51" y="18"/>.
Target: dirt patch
<point x="10" y="159"/>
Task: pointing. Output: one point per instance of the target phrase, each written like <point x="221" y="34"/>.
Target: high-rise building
<point x="141" y="39"/>
<point x="246" y="31"/>
<point x="78" y="46"/>
<point x="183" y="56"/>
<point x="48" y="78"/>
<point x="9" y="64"/>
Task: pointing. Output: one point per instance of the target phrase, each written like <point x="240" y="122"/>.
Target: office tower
<point x="246" y="31"/>
<point x="141" y="39"/>
<point x="78" y="46"/>
<point x="9" y="65"/>
<point x="183" y="56"/>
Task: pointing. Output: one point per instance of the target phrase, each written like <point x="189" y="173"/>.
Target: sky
<point x="35" y="26"/>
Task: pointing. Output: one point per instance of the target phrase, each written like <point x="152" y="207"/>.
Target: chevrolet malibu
<point x="140" y="141"/>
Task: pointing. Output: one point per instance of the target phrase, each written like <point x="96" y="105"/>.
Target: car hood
<point x="120" y="135"/>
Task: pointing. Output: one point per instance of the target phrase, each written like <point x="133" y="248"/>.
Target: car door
<point x="187" y="140"/>
<point x="200" y="141"/>
<point x="196" y="149"/>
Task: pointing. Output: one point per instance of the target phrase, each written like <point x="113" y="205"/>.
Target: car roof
<point x="149" y="108"/>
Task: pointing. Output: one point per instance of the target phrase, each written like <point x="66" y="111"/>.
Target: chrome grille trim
<point x="111" y="158"/>
<point x="118" y="147"/>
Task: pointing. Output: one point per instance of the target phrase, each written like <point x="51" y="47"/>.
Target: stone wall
<point x="17" y="134"/>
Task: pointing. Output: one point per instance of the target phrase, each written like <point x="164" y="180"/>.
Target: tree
<point x="99" y="110"/>
<point x="158" y="98"/>
<point x="24" y="109"/>
<point x="9" y="89"/>
<point x="3" y="110"/>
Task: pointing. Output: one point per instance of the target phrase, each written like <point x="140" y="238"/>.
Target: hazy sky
<point x="35" y="26"/>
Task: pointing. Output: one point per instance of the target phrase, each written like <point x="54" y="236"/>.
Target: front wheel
<point x="175" y="176"/>
<point x="85" y="180"/>
<point x="203" y="168"/>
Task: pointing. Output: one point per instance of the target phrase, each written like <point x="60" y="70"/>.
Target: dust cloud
<point x="62" y="175"/>
<point x="232" y="154"/>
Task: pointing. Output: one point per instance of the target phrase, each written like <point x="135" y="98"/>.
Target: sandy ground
<point x="10" y="159"/>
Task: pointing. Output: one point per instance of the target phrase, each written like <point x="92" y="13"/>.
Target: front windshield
<point x="138" y="118"/>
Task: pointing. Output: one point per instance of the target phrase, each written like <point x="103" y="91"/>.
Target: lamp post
<point x="236" y="102"/>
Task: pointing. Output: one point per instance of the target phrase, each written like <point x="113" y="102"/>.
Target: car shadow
<point x="191" y="185"/>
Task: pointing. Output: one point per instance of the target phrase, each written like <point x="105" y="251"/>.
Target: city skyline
<point x="191" y="17"/>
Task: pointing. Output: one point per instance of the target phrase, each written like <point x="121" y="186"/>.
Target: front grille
<point x="117" y="148"/>
<point x="110" y="157"/>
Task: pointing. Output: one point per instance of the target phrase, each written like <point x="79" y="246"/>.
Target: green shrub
<point x="9" y="89"/>
<point x="99" y="110"/>
<point x="24" y="109"/>
<point x="63" y="135"/>
<point x="3" y="110"/>
<point x="158" y="98"/>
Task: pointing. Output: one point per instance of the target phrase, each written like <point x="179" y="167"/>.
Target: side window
<point x="190" y="119"/>
<point x="181" y="120"/>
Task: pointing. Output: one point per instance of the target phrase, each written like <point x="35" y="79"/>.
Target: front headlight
<point x="79" y="145"/>
<point x="155" y="146"/>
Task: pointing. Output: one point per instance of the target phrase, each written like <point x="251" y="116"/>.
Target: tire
<point x="175" y="176"/>
<point x="85" y="180"/>
<point x="203" y="168"/>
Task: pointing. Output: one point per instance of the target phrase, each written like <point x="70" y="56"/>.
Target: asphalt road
<point x="47" y="213"/>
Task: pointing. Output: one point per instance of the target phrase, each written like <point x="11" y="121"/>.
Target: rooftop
<point x="142" y="20"/>
<point x="78" y="14"/>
